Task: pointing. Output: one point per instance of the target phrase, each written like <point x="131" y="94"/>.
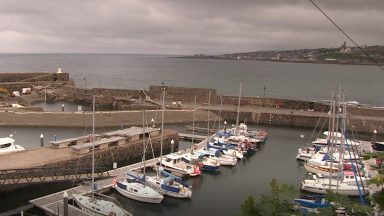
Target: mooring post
<point x="21" y="213"/>
<point x="54" y="137"/>
<point x="65" y="199"/>
<point x="172" y="145"/>
<point x="62" y="107"/>
<point x="42" y="140"/>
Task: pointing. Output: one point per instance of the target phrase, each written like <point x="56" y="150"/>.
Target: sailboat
<point x="95" y="205"/>
<point x="165" y="182"/>
<point x="134" y="186"/>
<point x="337" y="185"/>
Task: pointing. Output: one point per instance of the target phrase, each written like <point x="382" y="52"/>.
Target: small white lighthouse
<point x="59" y="69"/>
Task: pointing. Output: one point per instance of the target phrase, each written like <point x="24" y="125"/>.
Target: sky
<point x="184" y="26"/>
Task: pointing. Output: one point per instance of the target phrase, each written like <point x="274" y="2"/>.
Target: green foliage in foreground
<point x="280" y="203"/>
<point x="378" y="180"/>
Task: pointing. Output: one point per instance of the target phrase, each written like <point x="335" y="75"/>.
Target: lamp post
<point x="153" y="122"/>
<point x="264" y="97"/>
<point x="172" y="145"/>
<point x="225" y="126"/>
<point x="85" y="82"/>
<point x="65" y="200"/>
<point x="374" y="135"/>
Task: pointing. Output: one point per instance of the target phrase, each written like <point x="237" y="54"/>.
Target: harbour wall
<point x="304" y="119"/>
<point x="123" y="155"/>
<point x="102" y="119"/>
<point x="76" y="165"/>
<point x="18" y="81"/>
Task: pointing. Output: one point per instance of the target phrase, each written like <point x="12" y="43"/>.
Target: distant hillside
<point x="341" y="55"/>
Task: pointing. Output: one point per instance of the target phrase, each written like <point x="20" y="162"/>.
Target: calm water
<point x="283" y="80"/>
<point x="222" y="193"/>
<point x="219" y="194"/>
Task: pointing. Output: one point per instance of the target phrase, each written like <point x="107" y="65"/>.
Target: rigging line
<point x="342" y="31"/>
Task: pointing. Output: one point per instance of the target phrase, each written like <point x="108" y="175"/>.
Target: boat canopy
<point x="6" y="140"/>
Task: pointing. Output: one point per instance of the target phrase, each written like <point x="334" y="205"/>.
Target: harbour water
<point x="281" y="80"/>
<point x="222" y="193"/>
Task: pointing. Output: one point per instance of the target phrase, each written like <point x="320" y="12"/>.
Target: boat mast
<point x="144" y="141"/>
<point x="209" y="110"/>
<point x="93" y="146"/>
<point x="193" y="124"/>
<point x="332" y="132"/>
<point x="221" y="107"/>
<point x="162" y="126"/>
<point x="238" y="108"/>
<point x="354" y="168"/>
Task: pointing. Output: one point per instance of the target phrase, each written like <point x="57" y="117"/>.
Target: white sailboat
<point x="95" y="205"/>
<point x="339" y="184"/>
<point x="320" y="186"/>
<point x="134" y="186"/>
<point x="98" y="207"/>
<point x="169" y="185"/>
<point x="164" y="182"/>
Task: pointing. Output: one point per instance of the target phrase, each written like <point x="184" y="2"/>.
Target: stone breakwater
<point x="115" y="102"/>
<point x="102" y="119"/>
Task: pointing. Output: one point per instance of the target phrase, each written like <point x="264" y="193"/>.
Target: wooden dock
<point x="195" y="137"/>
<point x="53" y="204"/>
<point x="201" y="129"/>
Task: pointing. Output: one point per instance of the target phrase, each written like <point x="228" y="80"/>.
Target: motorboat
<point x="174" y="164"/>
<point x="227" y="150"/>
<point x="7" y="146"/>
<point x="216" y="154"/>
<point x="205" y="163"/>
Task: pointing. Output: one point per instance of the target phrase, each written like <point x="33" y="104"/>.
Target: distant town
<point x="341" y="55"/>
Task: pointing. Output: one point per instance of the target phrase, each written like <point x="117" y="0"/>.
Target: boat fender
<point x="113" y="184"/>
<point x="112" y="214"/>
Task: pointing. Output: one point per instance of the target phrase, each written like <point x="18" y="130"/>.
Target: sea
<point x="218" y="194"/>
<point x="301" y="81"/>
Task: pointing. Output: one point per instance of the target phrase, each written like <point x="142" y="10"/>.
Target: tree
<point x="279" y="203"/>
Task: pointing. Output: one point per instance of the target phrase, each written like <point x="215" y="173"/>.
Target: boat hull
<point x="133" y="196"/>
<point x="322" y="189"/>
<point x="314" y="169"/>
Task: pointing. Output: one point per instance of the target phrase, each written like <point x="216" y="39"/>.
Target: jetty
<point x="189" y="137"/>
<point x="53" y="204"/>
<point x="70" y="159"/>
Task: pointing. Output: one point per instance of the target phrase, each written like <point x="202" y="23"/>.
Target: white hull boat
<point x="320" y="186"/>
<point x="138" y="191"/>
<point x="159" y="184"/>
<point x="321" y="169"/>
<point x="224" y="160"/>
<point x="7" y="146"/>
<point x="175" y="164"/>
<point x="98" y="207"/>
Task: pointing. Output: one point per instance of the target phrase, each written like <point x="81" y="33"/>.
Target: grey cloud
<point x="184" y="27"/>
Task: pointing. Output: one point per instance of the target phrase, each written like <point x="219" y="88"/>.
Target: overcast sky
<point x="184" y="26"/>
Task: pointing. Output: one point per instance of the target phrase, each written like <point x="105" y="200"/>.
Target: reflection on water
<point x="58" y="107"/>
<point x="221" y="194"/>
